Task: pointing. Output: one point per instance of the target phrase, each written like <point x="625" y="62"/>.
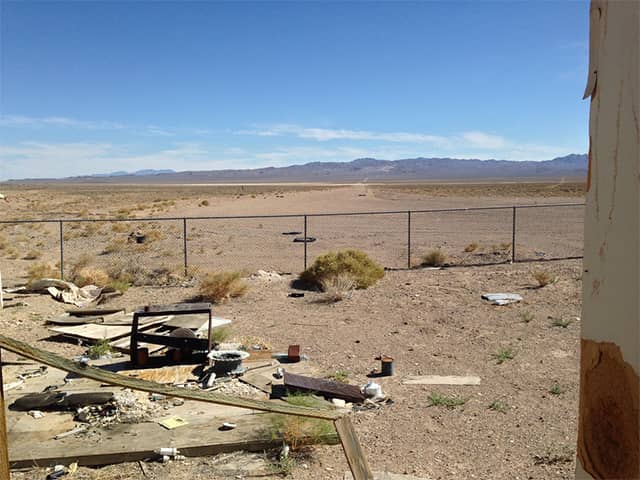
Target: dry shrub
<point x="544" y="278"/>
<point x="221" y="286"/>
<point x="114" y="246"/>
<point x="434" y="258"/>
<point x="42" y="270"/>
<point x="362" y="270"/>
<point x="299" y="431"/>
<point x="119" y="227"/>
<point x="338" y="287"/>
<point x="472" y="247"/>
<point x="3" y="242"/>
<point x="91" y="275"/>
<point x="153" y="235"/>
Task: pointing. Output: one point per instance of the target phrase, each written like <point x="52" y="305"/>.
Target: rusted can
<point x="387" y="369"/>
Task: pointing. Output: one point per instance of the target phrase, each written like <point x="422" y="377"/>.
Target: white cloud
<point x="484" y="140"/>
<point x="326" y="134"/>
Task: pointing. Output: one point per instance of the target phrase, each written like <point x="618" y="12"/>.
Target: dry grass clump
<point x="362" y="270"/>
<point x="120" y="227"/>
<point x="114" y="246"/>
<point x="434" y="258"/>
<point x="84" y="272"/>
<point x="221" y="286"/>
<point x="338" y="287"/>
<point x="544" y="278"/>
<point x="472" y="247"/>
<point x="91" y="275"/>
<point x="299" y="431"/>
<point x="42" y="270"/>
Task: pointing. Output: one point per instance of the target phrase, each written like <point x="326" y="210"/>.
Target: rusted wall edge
<point x="609" y="421"/>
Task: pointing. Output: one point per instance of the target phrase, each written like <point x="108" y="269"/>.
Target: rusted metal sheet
<point x="327" y="388"/>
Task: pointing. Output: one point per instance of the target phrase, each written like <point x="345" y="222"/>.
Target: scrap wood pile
<point x="114" y="326"/>
<point x="73" y="419"/>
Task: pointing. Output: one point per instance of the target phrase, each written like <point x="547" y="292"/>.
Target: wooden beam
<point x="104" y="376"/>
<point x="609" y="416"/>
<point x="4" y="444"/>
<point x="352" y="449"/>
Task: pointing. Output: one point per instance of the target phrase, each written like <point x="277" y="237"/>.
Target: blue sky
<point x="90" y="87"/>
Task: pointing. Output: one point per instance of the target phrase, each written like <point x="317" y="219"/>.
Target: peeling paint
<point x="608" y="433"/>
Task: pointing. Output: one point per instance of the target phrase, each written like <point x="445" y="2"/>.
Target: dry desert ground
<point x="519" y="423"/>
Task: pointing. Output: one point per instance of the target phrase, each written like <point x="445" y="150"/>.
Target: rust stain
<point x="602" y="250"/>
<point x="595" y="288"/>
<point x="608" y="433"/>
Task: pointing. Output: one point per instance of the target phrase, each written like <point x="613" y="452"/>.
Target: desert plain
<point x="519" y="423"/>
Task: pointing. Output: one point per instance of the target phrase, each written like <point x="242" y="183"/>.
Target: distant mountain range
<point x="360" y="170"/>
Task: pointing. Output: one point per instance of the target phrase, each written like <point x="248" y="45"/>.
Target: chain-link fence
<point x="159" y="250"/>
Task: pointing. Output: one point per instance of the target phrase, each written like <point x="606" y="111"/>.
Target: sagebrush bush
<point x="221" y="286"/>
<point x="363" y="270"/>
<point x="472" y="247"/>
<point x="543" y="277"/>
<point x="91" y="275"/>
<point x="338" y="287"/>
<point x="42" y="270"/>
<point x="434" y="258"/>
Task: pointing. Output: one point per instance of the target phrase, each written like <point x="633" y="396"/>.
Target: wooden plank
<point x="93" y="311"/>
<point x="4" y="444"/>
<point x="196" y="322"/>
<point x="441" y="380"/>
<point x="171" y="375"/>
<point x="92" y="332"/>
<point x="124" y="344"/>
<point x="352" y="449"/>
<point x="103" y="376"/>
<point x="329" y="388"/>
<point x="132" y="442"/>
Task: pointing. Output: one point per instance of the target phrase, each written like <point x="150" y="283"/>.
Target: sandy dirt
<point x="430" y="321"/>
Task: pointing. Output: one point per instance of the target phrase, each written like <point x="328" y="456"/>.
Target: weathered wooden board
<point x="131" y="442"/>
<point x="104" y="376"/>
<point x="329" y="388"/>
<point x="387" y="476"/>
<point x="124" y="344"/>
<point x="171" y="375"/>
<point x="352" y="449"/>
<point x="4" y="454"/>
<point x="441" y="380"/>
<point x="196" y="322"/>
<point x="93" y="332"/>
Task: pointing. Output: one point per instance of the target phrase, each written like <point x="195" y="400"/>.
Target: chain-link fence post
<point x="409" y="239"/>
<point x="513" y="236"/>
<point x="305" y="242"/>
<point x="184" y="243"/>
<point x="61" y="250"/>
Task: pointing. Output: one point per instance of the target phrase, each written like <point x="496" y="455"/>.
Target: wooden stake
<point x="353" y="450"/>
<point x="4" y="444"/>
<point x="609" y="416"/>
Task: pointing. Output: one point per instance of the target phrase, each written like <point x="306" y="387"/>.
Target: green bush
<point x="355" y="263"/>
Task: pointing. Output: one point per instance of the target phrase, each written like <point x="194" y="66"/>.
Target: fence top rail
<point x="293" y="215"/>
